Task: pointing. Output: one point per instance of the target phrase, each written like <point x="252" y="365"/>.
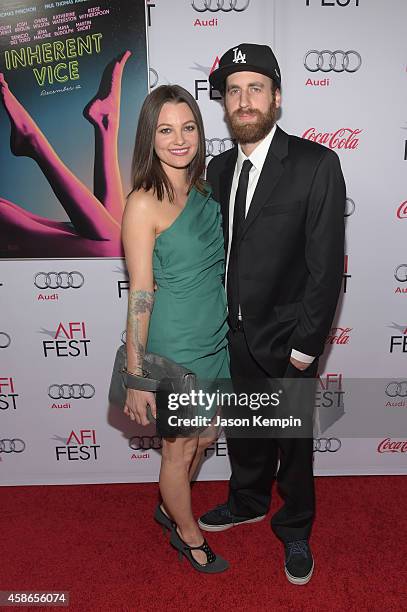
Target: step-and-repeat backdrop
<point x="74" y="75"/>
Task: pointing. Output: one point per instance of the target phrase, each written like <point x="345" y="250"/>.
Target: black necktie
<point x="239" y="214"/>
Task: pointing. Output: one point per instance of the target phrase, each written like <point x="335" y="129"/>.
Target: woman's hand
<point x="136" y="406"/>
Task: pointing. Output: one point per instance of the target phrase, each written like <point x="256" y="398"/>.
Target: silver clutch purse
<point x="161" y="376"/>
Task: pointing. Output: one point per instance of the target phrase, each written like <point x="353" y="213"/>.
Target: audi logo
<point x="214" y="146"/>
<point x="5" y="340"/>
<point x="75" y="391"/>
<point x="336" y="61"/>
<point x="400" y="273"/>
<point x="220" y="5"/>
<point x="59" y="280"/>
<point x="153" y="78"/>
<point x="145" y="443"/>
<point x="349" y="207"/>
<point x="12" y="446"/>
<point x="327" y="445"/>
<point x="397" y="389"/>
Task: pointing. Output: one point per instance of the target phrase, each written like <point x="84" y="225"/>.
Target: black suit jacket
<point x="291" y="248"/>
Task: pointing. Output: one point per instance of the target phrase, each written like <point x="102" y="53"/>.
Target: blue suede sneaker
<point x="221" y="518"/>
<point x="299" y="563"/>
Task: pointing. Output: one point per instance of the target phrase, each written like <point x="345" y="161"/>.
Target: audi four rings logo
<point x="349" y="207"/>
<point x="12" y="446"/>
<point x="220" y="5"/>
<point x="5" y="340"/>
<point x="397" y="389"/>
<point x="59" y="280"/>
<point x="327" y="445"/>
<point x="214" y="146"/>
<point x="75" y="391"/>
<point x="336" y="61"/>
<point x="400" y="273"/>
<point x="145" y="443"/>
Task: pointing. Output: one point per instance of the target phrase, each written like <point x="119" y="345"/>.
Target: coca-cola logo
<point x="339" y="335"/>
<point x="402" y="210"/>
<point x="392" y="446"/>
<point x="344" y="138"/>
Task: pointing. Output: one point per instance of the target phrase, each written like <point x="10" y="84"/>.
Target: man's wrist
<point x="302" y="356"/>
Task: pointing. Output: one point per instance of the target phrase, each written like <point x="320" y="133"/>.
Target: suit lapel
<point x="225" y="179"/>
<point x="271" y="172"/>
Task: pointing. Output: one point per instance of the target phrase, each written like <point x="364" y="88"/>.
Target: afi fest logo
<point x="329" y="392"/>
<point x="123" y="286"/>
<point x="339" y="335"/>
<point x="218" y="448"/>
<point x="400" y="274"/>
<point x="344" y="138"/>
<point x="203" y="85"/>
<point x="80" y="446"/>
<point x="404" y="127"/>
<point x="402" y="210"/>
<point x="392" y="446"/>
<point x="398" y="343"/>
<point x="341" y="3"/>
<point x="70" y="340"/>
<point x="8" y="394"/>
<point x="150" y="6"/>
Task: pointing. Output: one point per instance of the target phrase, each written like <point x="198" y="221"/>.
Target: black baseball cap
<point x="247" y="56"/>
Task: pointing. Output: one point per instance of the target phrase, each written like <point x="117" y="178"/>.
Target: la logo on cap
<point x="239" y="57"/>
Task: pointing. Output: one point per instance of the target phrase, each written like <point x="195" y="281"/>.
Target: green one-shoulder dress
<point x="189" y="319"/>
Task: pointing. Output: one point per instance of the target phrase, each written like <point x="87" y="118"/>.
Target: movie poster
<point x="73" y="76"/>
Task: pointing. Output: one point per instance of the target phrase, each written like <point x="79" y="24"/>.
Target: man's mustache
<point x="249" y="111"/>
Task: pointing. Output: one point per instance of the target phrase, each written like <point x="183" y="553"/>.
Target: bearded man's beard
<point x="249" y="133"/>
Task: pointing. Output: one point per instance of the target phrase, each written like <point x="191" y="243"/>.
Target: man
<point x="282" y="201"/>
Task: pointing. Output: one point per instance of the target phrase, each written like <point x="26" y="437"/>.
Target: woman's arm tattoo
<point x="140" y="304"/>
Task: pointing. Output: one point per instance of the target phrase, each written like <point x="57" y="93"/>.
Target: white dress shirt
<point x="257" y="157"/>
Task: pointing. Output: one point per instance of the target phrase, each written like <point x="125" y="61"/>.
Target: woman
<point x="172" y="237"/>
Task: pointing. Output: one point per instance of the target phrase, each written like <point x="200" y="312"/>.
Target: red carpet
<point x="100" y="543"/>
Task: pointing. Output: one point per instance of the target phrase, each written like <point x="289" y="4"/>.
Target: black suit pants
<point x="254" y="461"/>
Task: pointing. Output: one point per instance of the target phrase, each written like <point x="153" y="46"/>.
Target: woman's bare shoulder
<point x="141" y="206"/>
<point x="142" y="200"/>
